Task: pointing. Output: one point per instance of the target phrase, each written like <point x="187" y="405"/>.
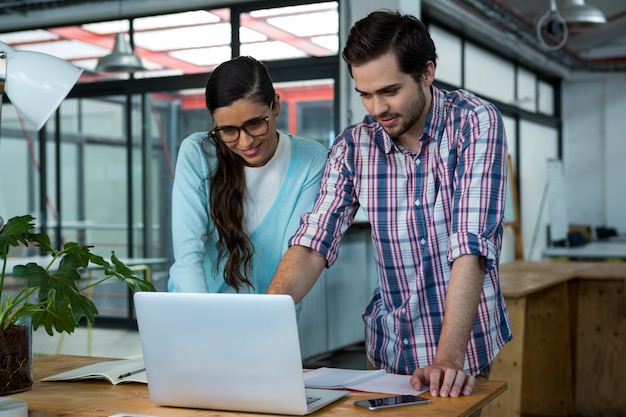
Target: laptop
<point x="237" y="352"/>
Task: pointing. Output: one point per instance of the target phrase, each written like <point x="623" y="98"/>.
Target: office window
<point x="526" y="90"/>
<point x="19" y="166"/>
<point x="94" y="175"/>
<point x="308" y="109"/>
<point x="290" y="32"/>
<point x="488" y="74"/>
<point x="546" y="98"/>
<point x="449" y="56"/>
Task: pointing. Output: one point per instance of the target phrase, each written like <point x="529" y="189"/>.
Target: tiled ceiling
<point x="172" y="43"/>
<point x="194" y="42"/>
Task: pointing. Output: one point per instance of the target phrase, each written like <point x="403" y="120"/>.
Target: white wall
<point x="615" y="151"/>
<point x="594" y="148"/>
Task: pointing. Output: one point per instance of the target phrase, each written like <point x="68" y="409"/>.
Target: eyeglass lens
<point x="256" y="127"/>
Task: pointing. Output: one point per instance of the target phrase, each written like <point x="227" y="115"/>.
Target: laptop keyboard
<point x="310" y="399"/>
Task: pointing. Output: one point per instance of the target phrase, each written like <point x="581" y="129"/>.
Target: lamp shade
<point x="121" y="59"/>
<point x="580" y="16"/>
<point x="37" y="83"/>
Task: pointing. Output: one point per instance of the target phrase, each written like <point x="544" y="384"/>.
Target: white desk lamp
<point x="36" y="83"/>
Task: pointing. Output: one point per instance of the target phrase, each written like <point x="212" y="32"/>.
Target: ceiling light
<point x="122" y="59"/>
<point x="580" y="16"/>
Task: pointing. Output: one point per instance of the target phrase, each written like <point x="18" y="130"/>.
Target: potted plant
<point x="50" y="296"/>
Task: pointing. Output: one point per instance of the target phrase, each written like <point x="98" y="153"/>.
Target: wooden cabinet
<point x="569" y="339"/>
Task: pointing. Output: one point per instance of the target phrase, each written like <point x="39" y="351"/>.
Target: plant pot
<point x="16" y="359"/>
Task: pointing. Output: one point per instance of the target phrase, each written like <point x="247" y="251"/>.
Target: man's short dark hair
<point x="385" y="30"/>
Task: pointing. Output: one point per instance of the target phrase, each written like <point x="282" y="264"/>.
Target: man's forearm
<point x="464" y="289"/>
<point x="297" y="272"/>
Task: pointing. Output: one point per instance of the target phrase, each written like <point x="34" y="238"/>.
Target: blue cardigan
<point x="194" y="256"/>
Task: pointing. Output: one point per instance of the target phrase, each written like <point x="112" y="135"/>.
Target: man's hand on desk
<point x="443" y="380"/>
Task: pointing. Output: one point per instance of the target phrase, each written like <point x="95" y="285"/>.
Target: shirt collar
<point x="436" y="115"/>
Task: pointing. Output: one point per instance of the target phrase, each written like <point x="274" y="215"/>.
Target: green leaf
<point x="55" y="285"/>
<point x="99" y="260"/>
<point x="80" y="254"/>
<point x="83" y="307"/>
<point x="14" y="232"/>
<point x="59" y="287"/>
<point x="124" y="273"/>
<point x="41" y="240"/>
<point x="66" y="305"/>
<point x="60" y="303"/>
<point x="60" y="318"/>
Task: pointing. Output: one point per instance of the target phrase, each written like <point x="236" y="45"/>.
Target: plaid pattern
<point x="425" y="210"/>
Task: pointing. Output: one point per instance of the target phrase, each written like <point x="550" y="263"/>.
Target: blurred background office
<point x="100" y="171"/>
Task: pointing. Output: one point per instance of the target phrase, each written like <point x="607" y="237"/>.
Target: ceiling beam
<point x="74" y="13"/>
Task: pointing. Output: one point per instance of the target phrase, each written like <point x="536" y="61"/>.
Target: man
<point x="428" y="167"/>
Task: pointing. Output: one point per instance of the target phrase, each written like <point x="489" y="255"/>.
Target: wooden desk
<point x="569" y="339"/>
<point x="99" y="398"/>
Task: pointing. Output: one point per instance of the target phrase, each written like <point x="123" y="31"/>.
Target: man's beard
<point x="413" y="115"/>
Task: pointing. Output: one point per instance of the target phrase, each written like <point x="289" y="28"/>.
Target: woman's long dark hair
<point x="240" y="78"/>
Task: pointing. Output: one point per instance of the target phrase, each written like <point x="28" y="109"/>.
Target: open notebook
<point x="237" y="352"/>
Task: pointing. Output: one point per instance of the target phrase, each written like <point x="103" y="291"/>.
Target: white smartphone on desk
<point x="388" y="402"/>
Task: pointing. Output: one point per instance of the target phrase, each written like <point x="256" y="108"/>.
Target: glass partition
<point x="20" y="168"/>
<point x="105" y="174"/>
<point x="117" y="161"/>
<point x="308" y="109"/>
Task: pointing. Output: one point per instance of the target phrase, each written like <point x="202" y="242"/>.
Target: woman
<point x="239" y="191"/>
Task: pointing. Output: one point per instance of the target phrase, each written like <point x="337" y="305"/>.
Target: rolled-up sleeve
<point x="481" y="178"/>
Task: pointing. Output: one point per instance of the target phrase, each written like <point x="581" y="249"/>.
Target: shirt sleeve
<point x="190" y="218"/>
<point x="481" y="178"/>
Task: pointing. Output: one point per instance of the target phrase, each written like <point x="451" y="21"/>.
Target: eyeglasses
<point x="254" y="127"/>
